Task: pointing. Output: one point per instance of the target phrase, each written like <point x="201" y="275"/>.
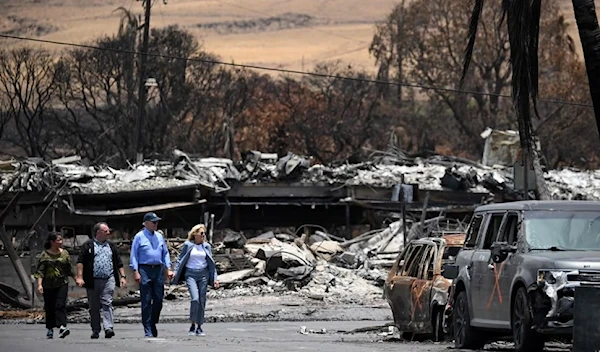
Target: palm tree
<point x="523" y="22"/>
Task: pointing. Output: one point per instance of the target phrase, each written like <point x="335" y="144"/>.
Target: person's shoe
<point x="108" y="333"/>
<point x="63" y="332"/>
<point x="199" y="332"/>
<point x="95" y="335"/>
<point x="192" y="331"/>
<point x="154" y="331"/>
<point x="50" y="334"/>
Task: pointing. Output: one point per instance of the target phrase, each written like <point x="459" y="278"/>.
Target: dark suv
<point x="518" y="270"/>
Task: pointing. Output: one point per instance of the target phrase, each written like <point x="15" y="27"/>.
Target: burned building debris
<point x="284" y="224"/>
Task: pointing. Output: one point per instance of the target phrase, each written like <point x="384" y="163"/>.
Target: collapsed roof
<point x="216" y="174"/>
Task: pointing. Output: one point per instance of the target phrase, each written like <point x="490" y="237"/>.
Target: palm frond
<point x="523" y="18"/>
<point x="534" y="35"/>
<point x="473" y="24"/>
<point x="505" y="7"/>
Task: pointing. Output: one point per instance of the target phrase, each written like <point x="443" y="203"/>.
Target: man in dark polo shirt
<point x="99" y="270"/>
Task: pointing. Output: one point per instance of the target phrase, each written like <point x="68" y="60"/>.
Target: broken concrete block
<point x="266" y="236"/>
<point x="326" y="249"/>
<point x="261" y="266"/>
<point x="296" y="273"/>
<point x="234" y="276"/>
<point x="234" y="240"/>
<point x="348" y="257"/>
<point x="316" y="296"/>
<point x="264" y="254"/>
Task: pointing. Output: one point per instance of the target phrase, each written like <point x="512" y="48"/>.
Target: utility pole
<point x="139" y="145"/>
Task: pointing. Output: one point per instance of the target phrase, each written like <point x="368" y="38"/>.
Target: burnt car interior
<point x="415" y="261"/>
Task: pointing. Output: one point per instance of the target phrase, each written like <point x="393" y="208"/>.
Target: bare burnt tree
<point x="388" y="49"/>
<point x="97" y="119"/>
<point x="332" y="118"/>
<point x="233" y="94"/>
<point x="27" y="86"/>
<point x="99" y="94"/>
<point x="430" y="43"/>
<point x="432" y="46"/>
<point x="171" y="48"/>
<point x="5" y="115"/>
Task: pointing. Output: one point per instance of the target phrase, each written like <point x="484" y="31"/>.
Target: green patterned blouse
<point x="54" y="269"/>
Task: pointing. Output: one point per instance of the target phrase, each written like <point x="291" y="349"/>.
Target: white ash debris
<point x="340" y="285"/>
<point x="574" y="184"/>
<point x="238" y="291"/>
<point x="372" y="274"/>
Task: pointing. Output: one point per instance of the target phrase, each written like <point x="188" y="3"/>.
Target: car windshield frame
<point x="580" y="230"/>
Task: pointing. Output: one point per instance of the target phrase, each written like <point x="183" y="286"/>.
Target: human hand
<point x="80" y="282"/>
<point x="138" y="277"/>
<point x="40" y="289"/>
<point x="217" y="285"/>
<point x="123" y="282"/>
<point x="171" y="275"/>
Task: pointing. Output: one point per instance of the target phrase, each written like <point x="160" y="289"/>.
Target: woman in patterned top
<point x="52" y="274"/>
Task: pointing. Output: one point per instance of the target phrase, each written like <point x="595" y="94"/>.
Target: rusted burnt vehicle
<point x="518" y="271"/>
<point x="415" y="288"/>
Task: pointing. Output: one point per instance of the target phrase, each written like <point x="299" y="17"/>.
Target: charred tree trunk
<point x="589" y="34"/>
<point x="19" y="268"/>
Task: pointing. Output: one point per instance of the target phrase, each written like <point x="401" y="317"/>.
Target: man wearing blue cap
<point x="149" y="257"/>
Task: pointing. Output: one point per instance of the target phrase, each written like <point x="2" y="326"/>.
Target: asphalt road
<point x="238" y="337"/>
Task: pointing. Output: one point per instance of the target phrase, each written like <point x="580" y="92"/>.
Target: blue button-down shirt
<point x="149" y="248"/>
<point x="103" y="265"/>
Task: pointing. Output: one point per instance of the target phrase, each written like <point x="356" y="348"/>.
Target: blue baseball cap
<point x="151" y="217"/>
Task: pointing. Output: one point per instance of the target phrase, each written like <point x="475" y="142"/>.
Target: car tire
<point x="465" y="336"/>
<point x="438" y="325"/>
<point x="408" y="336"/>
<point x="524" y="337"/>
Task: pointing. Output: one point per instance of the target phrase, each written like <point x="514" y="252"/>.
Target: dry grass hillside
<point x="291" y="34"/>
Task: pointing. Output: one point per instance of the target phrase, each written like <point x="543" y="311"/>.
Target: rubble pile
<point x="433" y="173"/>
<point x="334" y="284"/>
<point x="319" y="266"/>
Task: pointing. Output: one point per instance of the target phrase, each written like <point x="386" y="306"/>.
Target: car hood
<point x="567" y="259"/>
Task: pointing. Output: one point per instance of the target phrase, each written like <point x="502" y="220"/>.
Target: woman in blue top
<point x="196" y="266"/>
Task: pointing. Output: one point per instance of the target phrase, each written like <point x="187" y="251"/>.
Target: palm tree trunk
<point x="589" y="34"/>
<point x="542" y="188"/>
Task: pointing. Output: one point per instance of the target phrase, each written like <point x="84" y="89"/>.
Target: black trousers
<point x="55" y="305"/>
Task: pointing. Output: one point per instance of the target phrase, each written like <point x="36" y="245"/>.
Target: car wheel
<point x="408" y="336"/>
<point x="448" y="323"/>
<point x="438" y="324"/>
<point x="464" y="335"/>
<point x="525" y="338"/>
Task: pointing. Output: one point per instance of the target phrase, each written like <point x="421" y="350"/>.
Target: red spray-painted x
<point x="496" y="288"/>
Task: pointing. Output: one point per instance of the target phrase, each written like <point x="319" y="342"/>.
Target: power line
<point x="296" y="72"/>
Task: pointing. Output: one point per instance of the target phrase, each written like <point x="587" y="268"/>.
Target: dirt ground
<point x="291" y="34"/>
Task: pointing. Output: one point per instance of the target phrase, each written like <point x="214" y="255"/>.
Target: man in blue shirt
<point x="149" y="257"/>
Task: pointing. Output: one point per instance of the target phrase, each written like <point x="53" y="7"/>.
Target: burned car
<point x="415" y="288"/>
<point x="518" y="270"/>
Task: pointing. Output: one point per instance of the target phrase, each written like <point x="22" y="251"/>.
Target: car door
<point x="421" y="288"/>
<point x="506" y="270"/>
<point x="482" y="280"/>
<point x="401" y="287"/>
<point x="391" y="290"/>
